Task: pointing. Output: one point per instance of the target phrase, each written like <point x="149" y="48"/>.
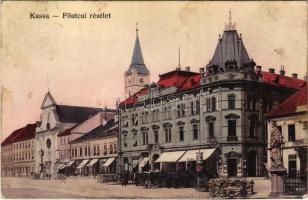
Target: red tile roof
<point x="184" y="80"/>
<point x="284" y="81"/>
<point x="290" y="104"/>
<point x="25" y="133"/>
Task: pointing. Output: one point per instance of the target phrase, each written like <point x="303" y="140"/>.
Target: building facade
<point x="219" y="110"/>
<point x="54" y="120"/>
<point x="18" y="157"/>
<point x="137" y="75"/>
<point x="77" y="131"/>
<point x="96" y="152"/>
<point x="291" y="117"/>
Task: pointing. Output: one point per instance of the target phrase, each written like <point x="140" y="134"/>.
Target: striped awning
<point x="92" y="162"/>
<point x="108" y="162"/>
<point x="82" y="164"/>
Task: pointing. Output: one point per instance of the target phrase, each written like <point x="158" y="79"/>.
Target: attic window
<point x="48" y="126"/>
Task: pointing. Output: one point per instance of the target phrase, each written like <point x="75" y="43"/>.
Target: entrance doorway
<point x="251" y="163"/>
<point x="232" y="167"/>
<point x="292" y="166"/>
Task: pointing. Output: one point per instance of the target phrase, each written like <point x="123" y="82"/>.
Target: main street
<point x="89" y="188"/>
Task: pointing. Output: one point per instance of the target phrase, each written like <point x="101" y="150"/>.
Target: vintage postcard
<point x="168" y="100"/>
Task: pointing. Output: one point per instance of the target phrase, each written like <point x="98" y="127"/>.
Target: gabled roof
<point x="230" y="47"/>
<point x="48" y="96"/>
<point x="67" y="131"/>
<point x="75" y="114"/>
<point x="109" y="129"/>
<point x="290" y="105"/>
<point x="137" y="59"/>
<point x="24" y="133"/>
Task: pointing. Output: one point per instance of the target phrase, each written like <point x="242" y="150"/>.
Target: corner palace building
<point x="218" y="111"/>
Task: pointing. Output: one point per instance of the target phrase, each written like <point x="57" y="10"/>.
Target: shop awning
<point x="82" y="164"/>
<point x="144" y="161"/>
<point x="70" y="163"/>
<point x="108" y="162"/>
<point x="92" y="162"/>
<point x="191" y="155"/>
<point x="170" y="156"/>
<point x="135" y="163"/>
<point x="61" y="166"/>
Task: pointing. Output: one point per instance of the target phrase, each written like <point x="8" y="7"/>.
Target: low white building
<point x="292" y="120"/>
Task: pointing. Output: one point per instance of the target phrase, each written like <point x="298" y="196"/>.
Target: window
<point x="252" y="124"/>
<point x="105" y="149"/>
<point x="231" y="101"/>
<point x="214" y="104"/>
<point x="208" y="105"/>
<point x="115" y="147"/>
<point x="125" y="140"/>
<point x="168" y="134"/>
<point x="232" y="127"/>
<point x="195" y="107"/>
<point x="94" y="150"/>
<point x="145" y="137"/>
<point x="97" y="150"/>
<point x="211" y="129"/>
<point x="155" y="136"/>
<point x="195" y="132"/>
<point x="111" y="149"/>
<point x="72" y="153"/>
<point x="291" y="132"/>
<point x="80" y="151"/>
<point x="76" y="152"/>
<point x="86" y="151"/>
<point x="181" y="133"/>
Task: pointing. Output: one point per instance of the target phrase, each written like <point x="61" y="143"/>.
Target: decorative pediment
<point x="48" y="101"/>
<point x="232" y="154"/>
<point x="232" y="116"/>
<point x="155" y="127"/>
<point x="144" y="128"/>
<point x="194" y="121"/>
<point x="180" y="123"/>
<point x="134" y="130"/>
<point x="210" y="118"/>
<point x="167" y="125"/>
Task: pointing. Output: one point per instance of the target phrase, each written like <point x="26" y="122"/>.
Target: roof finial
<point x="47" y="79"/>
<point x="230" y="26"/>
<point x="179" y="66"/>
<point x="137" y="27"/>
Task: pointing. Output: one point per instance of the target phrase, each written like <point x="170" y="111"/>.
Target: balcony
<point x="232" y="138"/>
<point x="211" y="140"/>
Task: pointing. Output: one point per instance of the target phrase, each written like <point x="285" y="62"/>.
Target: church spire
<point x="230" y="26"/>
<point x="137" y="58"/>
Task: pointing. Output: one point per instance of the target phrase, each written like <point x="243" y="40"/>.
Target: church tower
<point x="137" y="75"/>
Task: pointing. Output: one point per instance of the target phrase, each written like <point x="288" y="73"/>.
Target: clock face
<point x="141" y="80"/>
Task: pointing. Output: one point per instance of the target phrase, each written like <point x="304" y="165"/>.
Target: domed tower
<point x="137" y="75"/>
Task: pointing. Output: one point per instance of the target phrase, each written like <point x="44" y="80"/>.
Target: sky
<point x="82" y="61"/>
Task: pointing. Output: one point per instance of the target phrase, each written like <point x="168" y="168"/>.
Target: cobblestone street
<point x="89" y="188"/>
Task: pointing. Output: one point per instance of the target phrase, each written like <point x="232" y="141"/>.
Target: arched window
<point x="156" y="136"/>
<point x="231" y="101"/>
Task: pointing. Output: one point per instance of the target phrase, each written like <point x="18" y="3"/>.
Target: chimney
<point x="178" y="68"/>
<point x="294" y="75"/>
<point x="201" y="71"/>
<point x="258" y="67"/>
<point x="271" y="70"/>
<point x="187" y="69"/>
<point x="282" y="71"/>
